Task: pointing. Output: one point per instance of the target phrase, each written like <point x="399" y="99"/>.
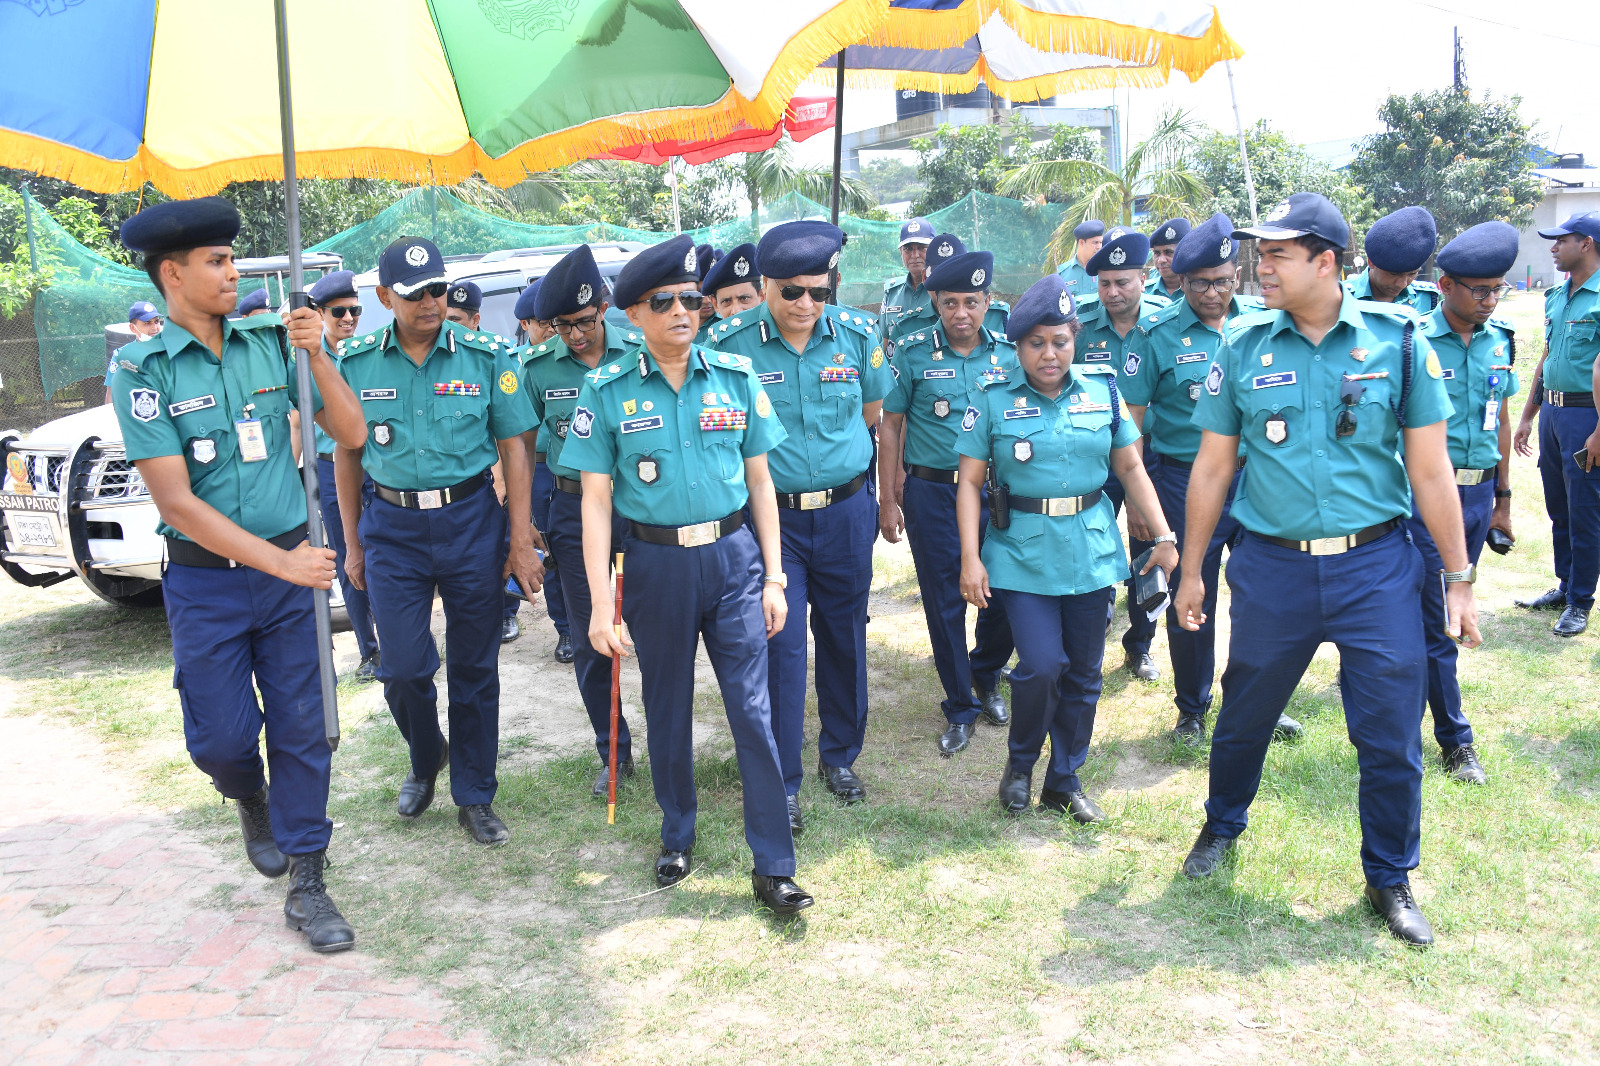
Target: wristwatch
<point x="1169" y="537"/>
<point x="780" y="580"/>
<point x="1469" y="575"/>
<point x="1502" y="494"/>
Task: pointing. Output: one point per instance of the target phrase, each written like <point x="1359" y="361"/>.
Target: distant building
<point x="1570" y="188"/>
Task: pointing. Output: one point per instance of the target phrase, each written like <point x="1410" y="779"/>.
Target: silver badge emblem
<point x="945" y="250"/>
<point x="1277" y="212"/>
<point x="460" y="297"/>
<point x="690" y="262"/>
<point x="561" y="427"/>
<point x="1117" y="257"/>
<point x="205" y="450"/>
<point x="1115" y="233"/>
<point x="1225" y="249"/>
<point x="741" y="267"/>
<point x="146" y="404"/>
<point x="1064" y="302"/>
<point x="585" y="293"/>
<point x="382" y="434"/>
<point x="941" y="407"/>
<point x="1022" y="450"/>
<point x="914" y="227"/>
<point x="649" y="471"/>
<point x="1194" y="391"/>
<point x="978" y="276"/>
<point x="1171" y="234"/>
<point x="1277" y="428"/>
<point x="833" y="260"/>
<point x="417" y="255"/>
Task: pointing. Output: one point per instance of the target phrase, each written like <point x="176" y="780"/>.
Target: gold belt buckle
<point x="430" y="499"/>
<point x="1057" y="506"/>
<point x="1328" y="546"/>
<point x="696" y="535"/>
<point x="811" y="501"/>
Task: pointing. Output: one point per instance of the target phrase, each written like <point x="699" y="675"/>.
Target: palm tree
<point x="1156" y="176"/>
<point x="774" y="173"/>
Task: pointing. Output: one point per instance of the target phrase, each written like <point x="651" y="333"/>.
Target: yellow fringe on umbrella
<point x="1021" y="91"/>
<point x="1192" y="56"/>
<point x="929" y="30"/>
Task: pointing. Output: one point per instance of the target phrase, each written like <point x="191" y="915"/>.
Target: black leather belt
<point x="1057" y="506"/>
<point x="430" y="499"/>
<point x="1179" y="464"/>
<point x="1568" y="399"/>
<point x="538" y="457"/>
<point x="188" y="553"/>
<point x="325" y="455"/>
<point x="566" y="484"/>
<point x="688" y="536"/>
<point x="1473" y="477"/>
<point x="814" y="501"/>
<point x="934" y="474"/>
<point x="1334" y="545"/>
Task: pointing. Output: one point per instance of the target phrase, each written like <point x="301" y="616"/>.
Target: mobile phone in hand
<point x="1444" y="597"/>
<point x="1581" y="457"/>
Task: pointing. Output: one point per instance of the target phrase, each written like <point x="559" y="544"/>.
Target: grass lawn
<point x="945" y="931"/>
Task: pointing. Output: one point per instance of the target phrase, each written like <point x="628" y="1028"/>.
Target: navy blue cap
<point x="464" y="296"/>
<point x="916" y="231"/>
<point x="571" y="285"/>
<point x="334" y="286"/>
<point x="1171" y="231"/>
<point x="528" y="302"/>
<point x="799" y="249"/>
<point x="252" y="302"/>
<point x="1046" y="303"/>
<point x="143" y="311"/>
<point x="1123" y="249"/>
<point x="179" y="224"/>
<point x="1301" y="214"/>
<point x="1402" y="240"/>
<point x="942" y="247"/>
<point x="671" y="262"/>
<point x="1584" y="225"/>
<point x="1487" y="250"/>
<point x="736" y="268"/>
<point x="410" y="263"/>
<point x="1209" y="244"/>
<point x="1089" y="229"/>
<point x="967" y="272"/>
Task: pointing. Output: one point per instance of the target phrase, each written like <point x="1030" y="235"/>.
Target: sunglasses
<point x="661" y="302"/>
<point x="819" y="294"/>
<point x="340" y="312"/>
<point x="434" y="291"/>
<point x="1350" y="393"/>
<point x="580" y="325"/>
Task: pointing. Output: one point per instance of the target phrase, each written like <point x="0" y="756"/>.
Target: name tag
<point x="1267" y="381"/>
<point x="773" y="378"/>
<point x="1447" y="375"/>
<point x="1088" y="408"/>
<point x="379" y="394"/>
<point x="944" y="373"/>
<point x="1097" y="357"/>
<point x="1022" y="412"/>
<point x="637" y="425"/>
<point x="561" y="394"/>
<point x="1192" y="357"/>
<point x="183" y="407"/>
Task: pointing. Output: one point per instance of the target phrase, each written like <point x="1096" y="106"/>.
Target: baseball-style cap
<point x="410" y="263"/>
<point x="1301" y="214"/>
<point x="1585" y="225"/>
<point x="143" y="311"/>
<point x="916" y="231"/>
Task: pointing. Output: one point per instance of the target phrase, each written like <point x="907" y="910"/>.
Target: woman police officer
<point x="1051" y="433"/>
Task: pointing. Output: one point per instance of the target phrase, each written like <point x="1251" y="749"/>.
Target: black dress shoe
<point x="1144" y="668"/>
<point x="956" y="738"/>
<point x="368" y="670"/>
<point x="416" y="793"/>
<point x="309" y="910"/>
<point x="1401" y="913"/>
<point x="1207" y="854"/>
<point x="1574" y="620"/>
<point x="797" y="822"/>
<point x="564" y="653"/>
<point x="259" y="846"/>
<point x="1462" y="764"/>
<point x="780" y="895"/>
<point x="484" y="825"/>
<point x="1191" y="729"/>
<point x="842" y="782"/>
<point x="1287" y="728"/>
<point x="1554" y="600"/>
<point x="1016" y="791"/>
<point x="1077" y="803"/>
<point x="509" y="630"/>
<point x="993" y="705"/>
<point x="674" y="866"/>
<point x="602" y="784"/>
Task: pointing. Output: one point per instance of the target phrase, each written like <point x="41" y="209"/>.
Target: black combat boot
<point x="309" y="909"/>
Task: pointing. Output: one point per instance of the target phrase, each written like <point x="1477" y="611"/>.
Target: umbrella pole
<point x="308" y="445"/>
<point x="672" y="177"/>
<point x="1244" y="155"/>
<point x="838" y="133"/>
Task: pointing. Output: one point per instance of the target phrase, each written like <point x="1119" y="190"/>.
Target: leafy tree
<point x="957" y="160"/>
<point x="891" y="180"/>
<point x="1279" y="167"/>
<point x="774" y="173"/>
<point x="1465" y="160"/>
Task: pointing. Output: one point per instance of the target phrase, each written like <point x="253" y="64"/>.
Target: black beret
<point x="464" y="296"/>
<point x="1089" y="229"/>
<point x="738" y="267"/>
<point x="571" y="285"/>
<point x="1302" y="214"/>
<point x="1209" y="244"/>
<point x="671" y="262"/>
<point x="799" y="249"/>
<point x="1123" y="249"/>
<point x="1487" y="250"/>
<point x="410" y="263"/>
<point x="1401" y="241"/>
<point x="334" y="286"/>
<point x="181" y="224"/>
<point x="968" y="272"/>
<point x="1046" y="303"/>
<point x="1171" y="231"/>
<point x="528" y="301"/>
<point x="252" y="302"/>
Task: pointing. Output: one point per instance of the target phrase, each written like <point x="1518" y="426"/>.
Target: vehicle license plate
<point x="33" y="530"/>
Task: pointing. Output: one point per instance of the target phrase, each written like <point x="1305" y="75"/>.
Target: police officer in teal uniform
<point x="906" y="297"/>
<point x="1052" y="552"/>
<point x="680" y="435"/>
<point x="706" y="257"/>
<point x="1398" y="246"/>
<point x="914" y="322"/>
<point x="533" y="330"/>
<point x="734" y="284"/>
<point x="1087" y="236"/>
<point x="1166" y="282"/>
<point x="1477" y="354"/>
<point x="1563" y="397"/>
<point x="571" y="299"/>
<point x="441" y="403"/>
<point x="204" y="412"/>
<point x="1325" y="389"/>
<point x="934" y="371"/>
<point x="826" y="375"/>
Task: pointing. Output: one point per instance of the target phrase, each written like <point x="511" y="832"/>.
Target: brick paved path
<point x="111" y="951"/>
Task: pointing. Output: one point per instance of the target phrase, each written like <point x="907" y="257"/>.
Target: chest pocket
<point x="273" y="410"/>
<point x="385" y="420"/>
<point x="206" y="431"/>
<point x="461" y="421"/>
<point x="841" y="401"/>
<point x="1373" y="414"/>
<point x="1267" y="405"/>
<point x="1091" y="433"/>
<point x="1026" y="437"/>
<point x="945" y="393"/>
<point x="1583" y="335"/>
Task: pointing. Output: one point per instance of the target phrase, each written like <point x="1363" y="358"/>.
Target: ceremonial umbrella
<point x="180" y="93"/>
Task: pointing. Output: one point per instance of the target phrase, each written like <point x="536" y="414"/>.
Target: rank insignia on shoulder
<point x="124" y="364"/>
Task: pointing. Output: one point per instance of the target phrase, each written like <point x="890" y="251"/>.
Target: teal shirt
<point x="932" y="383"/>
<point x="901" y="299"/>
<point x="1154" y="287"/>
<point x="1309" y="483"/>
<point x="325" y="442"/>
<point x="1165" y="368"/>
<point x="1044" y="448"/>
<point x="1421" y="296"/>
<point x="1572" y="335"/>
<point x="1079" y="281"/>
<point x="922" y="318"/>
<point x="554" y="378"/>
<point x="1466" y="372"/>
<point x="1098" y="343"/>
<point x="817" y="394"/>
<point x="670" y="460"/>
<point x="173" y="396"/>
<point x="418" y="438"/>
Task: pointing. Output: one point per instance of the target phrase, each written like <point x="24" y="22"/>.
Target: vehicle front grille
<point x="111" y="478"/>
<point x="44" y="472"/>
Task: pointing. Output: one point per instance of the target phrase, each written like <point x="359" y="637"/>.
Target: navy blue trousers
<point x="355" y="600"/>
<point x="930" y="511"/>
<point x="1572" y="499"/>
<point x="827" y="556"/>
<point x="1194" y="654"/>
<point x="1055" y="685"/>
<point x="1141" y="628"/>
<point x="565" y="539"/>
<point x="457" y="551"/>
<point x="232" y="627"/>
<point x="555" y="601"/>
<point x="673" y="597"/>
<point x="1450" y="726"/>
<point x="1368" y="603"/>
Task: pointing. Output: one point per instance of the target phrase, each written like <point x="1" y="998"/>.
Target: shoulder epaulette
<point x="528" y="353"/>
<point x="136" y="352"/>
<point x="355" y="345"/>
<point x="1096" y="368"/>
<point x="258" y="322"/>
<point x="1155" y="318"/>
<point x="733" y="359"/>
<point x="1240" y="323"/>
<point x="1156" y="298"/>
<point x="1550" y="292"/>
<point x="999" y="305"/>
<point x="484" y="342"/>
<point x="608" y="372"/>
<point x="727" y="327"/>
<point x="853" y="320"/>
<point x="1425" y="286"/>
<point x="1502" y="323"/>
<point x="1400" y="312"/>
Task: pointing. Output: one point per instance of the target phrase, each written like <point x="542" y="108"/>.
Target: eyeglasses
<point x="661" y="302"/>
<point x="339" y="312"/>
<point x="435" y="291"/>
<point x="581" y="325"/>
<point x="819" y="293"/>
<point x="1483" y="292"/>
<point x="1350" y="393"/>
<point x="1201" y="286"/>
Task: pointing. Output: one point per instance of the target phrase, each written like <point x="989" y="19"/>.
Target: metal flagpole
<point x="838" y="134"/>
<point x="308" y="444"/>
<point x="1244" y="155"/>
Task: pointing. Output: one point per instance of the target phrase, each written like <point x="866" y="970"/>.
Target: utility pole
<point x="1460" y="64"/>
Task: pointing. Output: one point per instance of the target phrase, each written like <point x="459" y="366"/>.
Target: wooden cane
<point x="616" y="697"/>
